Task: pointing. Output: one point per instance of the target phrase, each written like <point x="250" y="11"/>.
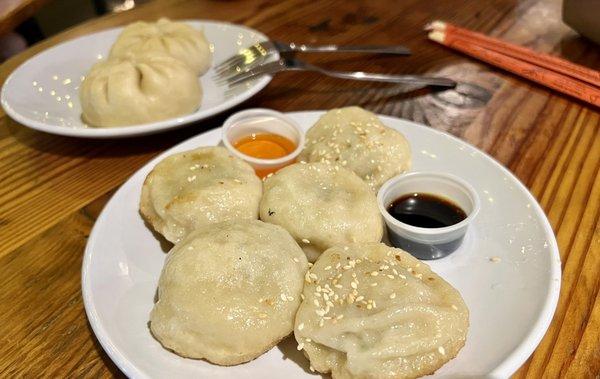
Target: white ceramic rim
<point x="505" y="369"/>
<point x="139" y="129"/>
<point x="428" y="231"/>
<point x="236" y="117"/>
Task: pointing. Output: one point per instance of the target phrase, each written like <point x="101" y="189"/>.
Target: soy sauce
<point x="426" y="211"/>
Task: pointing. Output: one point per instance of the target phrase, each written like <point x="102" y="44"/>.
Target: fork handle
<point x="384" y="78"/>
<point x="369" y="49"/>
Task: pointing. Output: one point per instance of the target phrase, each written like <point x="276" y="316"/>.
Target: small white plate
<point x="511" y="299"/>
<point x="42" y="93"/>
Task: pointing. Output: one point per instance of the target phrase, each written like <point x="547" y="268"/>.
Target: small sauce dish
<point x="268" y="140"/>
<point x="439" y="207"/>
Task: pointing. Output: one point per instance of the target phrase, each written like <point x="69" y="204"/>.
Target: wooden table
<point x="14" y="12"/>
<point x="53" y="188"/>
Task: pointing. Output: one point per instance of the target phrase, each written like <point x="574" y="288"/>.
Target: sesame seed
<point x="329" y="304"/>
<point x="305" y="240"/>
<point x="296" y="260"/>
<point x="353" y="285"/>
<point x="300" y="346"/>
<point x="321" y="323"/>
<point x="442" y="350"/>
<point x="300" y="326"/>
<point x="316" y="302"/>
<point x="262" y="315"/>
<point x="390" y="276"/>
<point x="340" y="317"/>
<point x="283" y="297"/>
<point x="338" y="286"/>
<point x="360" y="298"/>
<point x="374" y="284"/>
<point x="290" y="298"/>
<point x="495" y="259"/>
<point x="302" y="296"/>
<point x="327" y="268"/>
<point x="320" y="312"/>
<point x="311" y="368"/>
<point x="307" y="340"/>
<point x="369" y="306"/>
<point x="454" y="307"/>
<point x="313" y="276"/>
<point x="325" y="296"/>
<point x="393" y="295"/>
<point x="374" y="273"/>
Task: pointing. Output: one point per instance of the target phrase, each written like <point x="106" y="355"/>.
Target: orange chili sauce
<point x="265" y="146"/>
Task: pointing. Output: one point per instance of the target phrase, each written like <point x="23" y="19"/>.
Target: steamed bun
<point x="321" y="205"/>
<point x="356" y="139"/>
<point x="229" y="292"/>
<point x="194" y="189"/>
<point x="138" y="90"/>
<point x="373" y="311"/>
<point x="177" y="39"/>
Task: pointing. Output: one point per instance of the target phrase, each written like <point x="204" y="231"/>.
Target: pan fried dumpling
<point x="321" y="205"/>
<point x="177" y="39"/>
<point x="229" y="292"/>
<point x="196" y="188"/>
<point x="356" y="139"/>
<point x="373" y="311"/>
<point x="138" y="90"/>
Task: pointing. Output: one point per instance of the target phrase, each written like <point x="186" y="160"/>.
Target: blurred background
<point x="25" y="22"/>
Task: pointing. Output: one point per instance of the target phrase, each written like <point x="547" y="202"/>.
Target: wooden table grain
<point x="53" y="188"/>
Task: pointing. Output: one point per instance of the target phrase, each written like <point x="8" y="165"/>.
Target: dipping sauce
<point x="426" y="211"/>
<point x="265" y="146"/>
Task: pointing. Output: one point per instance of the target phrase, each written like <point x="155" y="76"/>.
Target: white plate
<point x="511" y="302"/>
<point x="42" y="93"/>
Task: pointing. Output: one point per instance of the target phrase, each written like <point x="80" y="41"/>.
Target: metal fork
<point x="257" y="53"/>
<point x="292" y="64"/>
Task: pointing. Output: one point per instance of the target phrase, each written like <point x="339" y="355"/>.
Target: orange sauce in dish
<point x="265" y="146"/>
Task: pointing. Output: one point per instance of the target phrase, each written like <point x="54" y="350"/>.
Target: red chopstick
<point x="540" y="59"/>
<point x="539" y="74"/>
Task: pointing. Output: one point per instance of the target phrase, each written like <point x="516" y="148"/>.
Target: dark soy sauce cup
<point x="428" y="243"/>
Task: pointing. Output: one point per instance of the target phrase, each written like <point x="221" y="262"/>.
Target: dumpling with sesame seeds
<point x="356" y="139"/>
<point x="321" y="205"/>
<point x="196" y="188"/>
<point x="374" y="311"/>
<point x="229" y="292"/>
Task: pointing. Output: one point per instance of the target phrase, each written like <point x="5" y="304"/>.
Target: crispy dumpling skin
<point x="177" y="39"/>
<point x="373" y="311"/>
<point x="356" y="139"/>
<point x="197" y="188"/>
<point x="321" y="205"/>
<point x="229" y="292"/>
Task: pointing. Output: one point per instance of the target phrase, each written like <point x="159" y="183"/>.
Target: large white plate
<point x="42" y="93"/>
<point x="511" y="301"/>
